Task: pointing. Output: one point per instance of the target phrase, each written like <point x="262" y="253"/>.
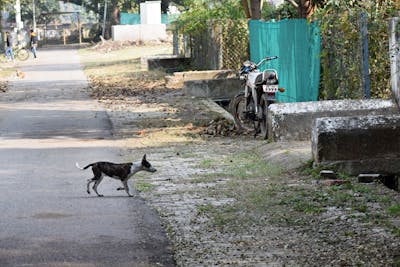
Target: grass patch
<point x="394" y="210"/>
<point x="143" y="186"/>
<point x="207" y="164"/>
<point x="265" y="202"/>
<point x="250" y="164"/>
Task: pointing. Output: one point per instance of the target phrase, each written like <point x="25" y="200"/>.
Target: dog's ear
<point x="144" y="157"/>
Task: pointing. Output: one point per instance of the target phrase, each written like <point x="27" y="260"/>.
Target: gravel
<point x="205" y="207"/>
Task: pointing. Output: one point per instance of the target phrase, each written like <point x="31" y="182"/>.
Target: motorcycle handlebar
<point x="267" y="59"/>
<point x="271" y="58"/>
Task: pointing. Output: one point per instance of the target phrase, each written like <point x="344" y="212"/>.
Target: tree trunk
<point x="255" y="9"/>
<point x="306" y="8"/>
<point x="246" y="8"/>
<point x="116" y="16"/>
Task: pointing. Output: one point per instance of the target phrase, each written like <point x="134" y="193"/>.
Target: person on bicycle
<point x="33" y="43"/>
<point x="9" y="48"/>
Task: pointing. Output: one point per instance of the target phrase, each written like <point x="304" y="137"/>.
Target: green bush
<point x="342" y="48"/>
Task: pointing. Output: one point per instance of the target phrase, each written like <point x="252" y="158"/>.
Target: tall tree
<point x="256" y="6"/>
<point x="252" y="8"/>
<point x="306" y="8"/>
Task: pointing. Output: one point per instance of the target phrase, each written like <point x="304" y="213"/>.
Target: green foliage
<point x="195" y="19"/>
<point x="284" y="11"/>
<point x="341" y="57"/>
<point x="47" y="6"/>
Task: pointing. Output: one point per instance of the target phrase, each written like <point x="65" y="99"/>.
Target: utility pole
<point x="34" y="15"/>
<point x="104" y="18"/>
<point x="18" y="15"/>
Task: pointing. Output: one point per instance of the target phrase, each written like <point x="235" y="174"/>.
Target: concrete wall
<point x="168" y="63"/>
<point x="216" y="89"/>
<point x="293" y="121"/>
<point x="178" y="79"/>
<point x="142" y="32"/>
<point x="354" y="145"/>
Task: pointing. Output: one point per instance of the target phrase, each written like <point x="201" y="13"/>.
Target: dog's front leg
<point x="125" y="183"/>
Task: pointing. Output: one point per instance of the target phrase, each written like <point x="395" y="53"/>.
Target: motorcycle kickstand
<point x="255" y="130"/>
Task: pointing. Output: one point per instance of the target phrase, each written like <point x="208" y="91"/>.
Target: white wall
<point x="278" y="2"/>
<point x="150" y="28"/>
<point x="139" y="32"/>
<point x="150" y="12"/>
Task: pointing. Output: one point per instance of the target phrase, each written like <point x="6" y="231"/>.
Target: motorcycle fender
<point x="269" y="99"/>
<point x="240" y="94"/>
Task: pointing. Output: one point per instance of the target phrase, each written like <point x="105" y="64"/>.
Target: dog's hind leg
<point x="96" y="184"/>
<point x="89" y="181"/>
<point x="98" y="177"/>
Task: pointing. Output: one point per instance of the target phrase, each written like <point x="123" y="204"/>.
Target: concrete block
<point x="368" y="177"/>
<point x="150" y="12"/>
<point x="207" y="75"/>
<point x="168" y="63"/>
<point x="354" y="145"/>
<point x="140" y="32"/>
<point x="178" y="78"/>
<point x="293" y="121"/>
<point x="328" y="174"/>
<point x="217" y="89"/>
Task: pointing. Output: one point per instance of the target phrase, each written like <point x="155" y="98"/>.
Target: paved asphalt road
<point x="47" y="123"/>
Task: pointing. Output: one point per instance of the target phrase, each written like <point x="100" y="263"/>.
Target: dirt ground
<point x="228" y="199"/>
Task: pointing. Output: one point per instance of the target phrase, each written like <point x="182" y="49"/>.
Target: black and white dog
<point x="119" y="171"/>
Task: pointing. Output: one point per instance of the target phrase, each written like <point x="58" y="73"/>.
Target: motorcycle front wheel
<point x="238" y="110"/>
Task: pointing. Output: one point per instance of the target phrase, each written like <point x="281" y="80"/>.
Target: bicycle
<point x="21" y="54"/>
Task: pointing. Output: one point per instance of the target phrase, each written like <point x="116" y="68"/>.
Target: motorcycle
<point x="250" y="107"/>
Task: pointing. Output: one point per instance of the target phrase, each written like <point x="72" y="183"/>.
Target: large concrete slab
<point x="293" y="121"/>
<point x="354" y="145"/>
<point x="178" y="79"/>
<point x="217" y="89"/>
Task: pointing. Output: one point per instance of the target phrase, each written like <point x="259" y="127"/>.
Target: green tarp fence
<point x="132" y="19"/>
<point x="297" y="43"/>
<point x="129" y="18"/>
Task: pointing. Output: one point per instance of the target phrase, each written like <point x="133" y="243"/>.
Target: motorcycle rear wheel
<point x="238" y="109"/>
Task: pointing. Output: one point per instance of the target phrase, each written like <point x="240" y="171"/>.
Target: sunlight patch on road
<point x="58" y="143"/>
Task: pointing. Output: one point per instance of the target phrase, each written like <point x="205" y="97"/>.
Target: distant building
<point x="276" y="2"/>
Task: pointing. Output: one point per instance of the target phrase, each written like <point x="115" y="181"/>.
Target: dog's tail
<point x="84" y="168"/>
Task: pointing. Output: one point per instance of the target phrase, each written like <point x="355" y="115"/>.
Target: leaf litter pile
<point x="150" y="87"/>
